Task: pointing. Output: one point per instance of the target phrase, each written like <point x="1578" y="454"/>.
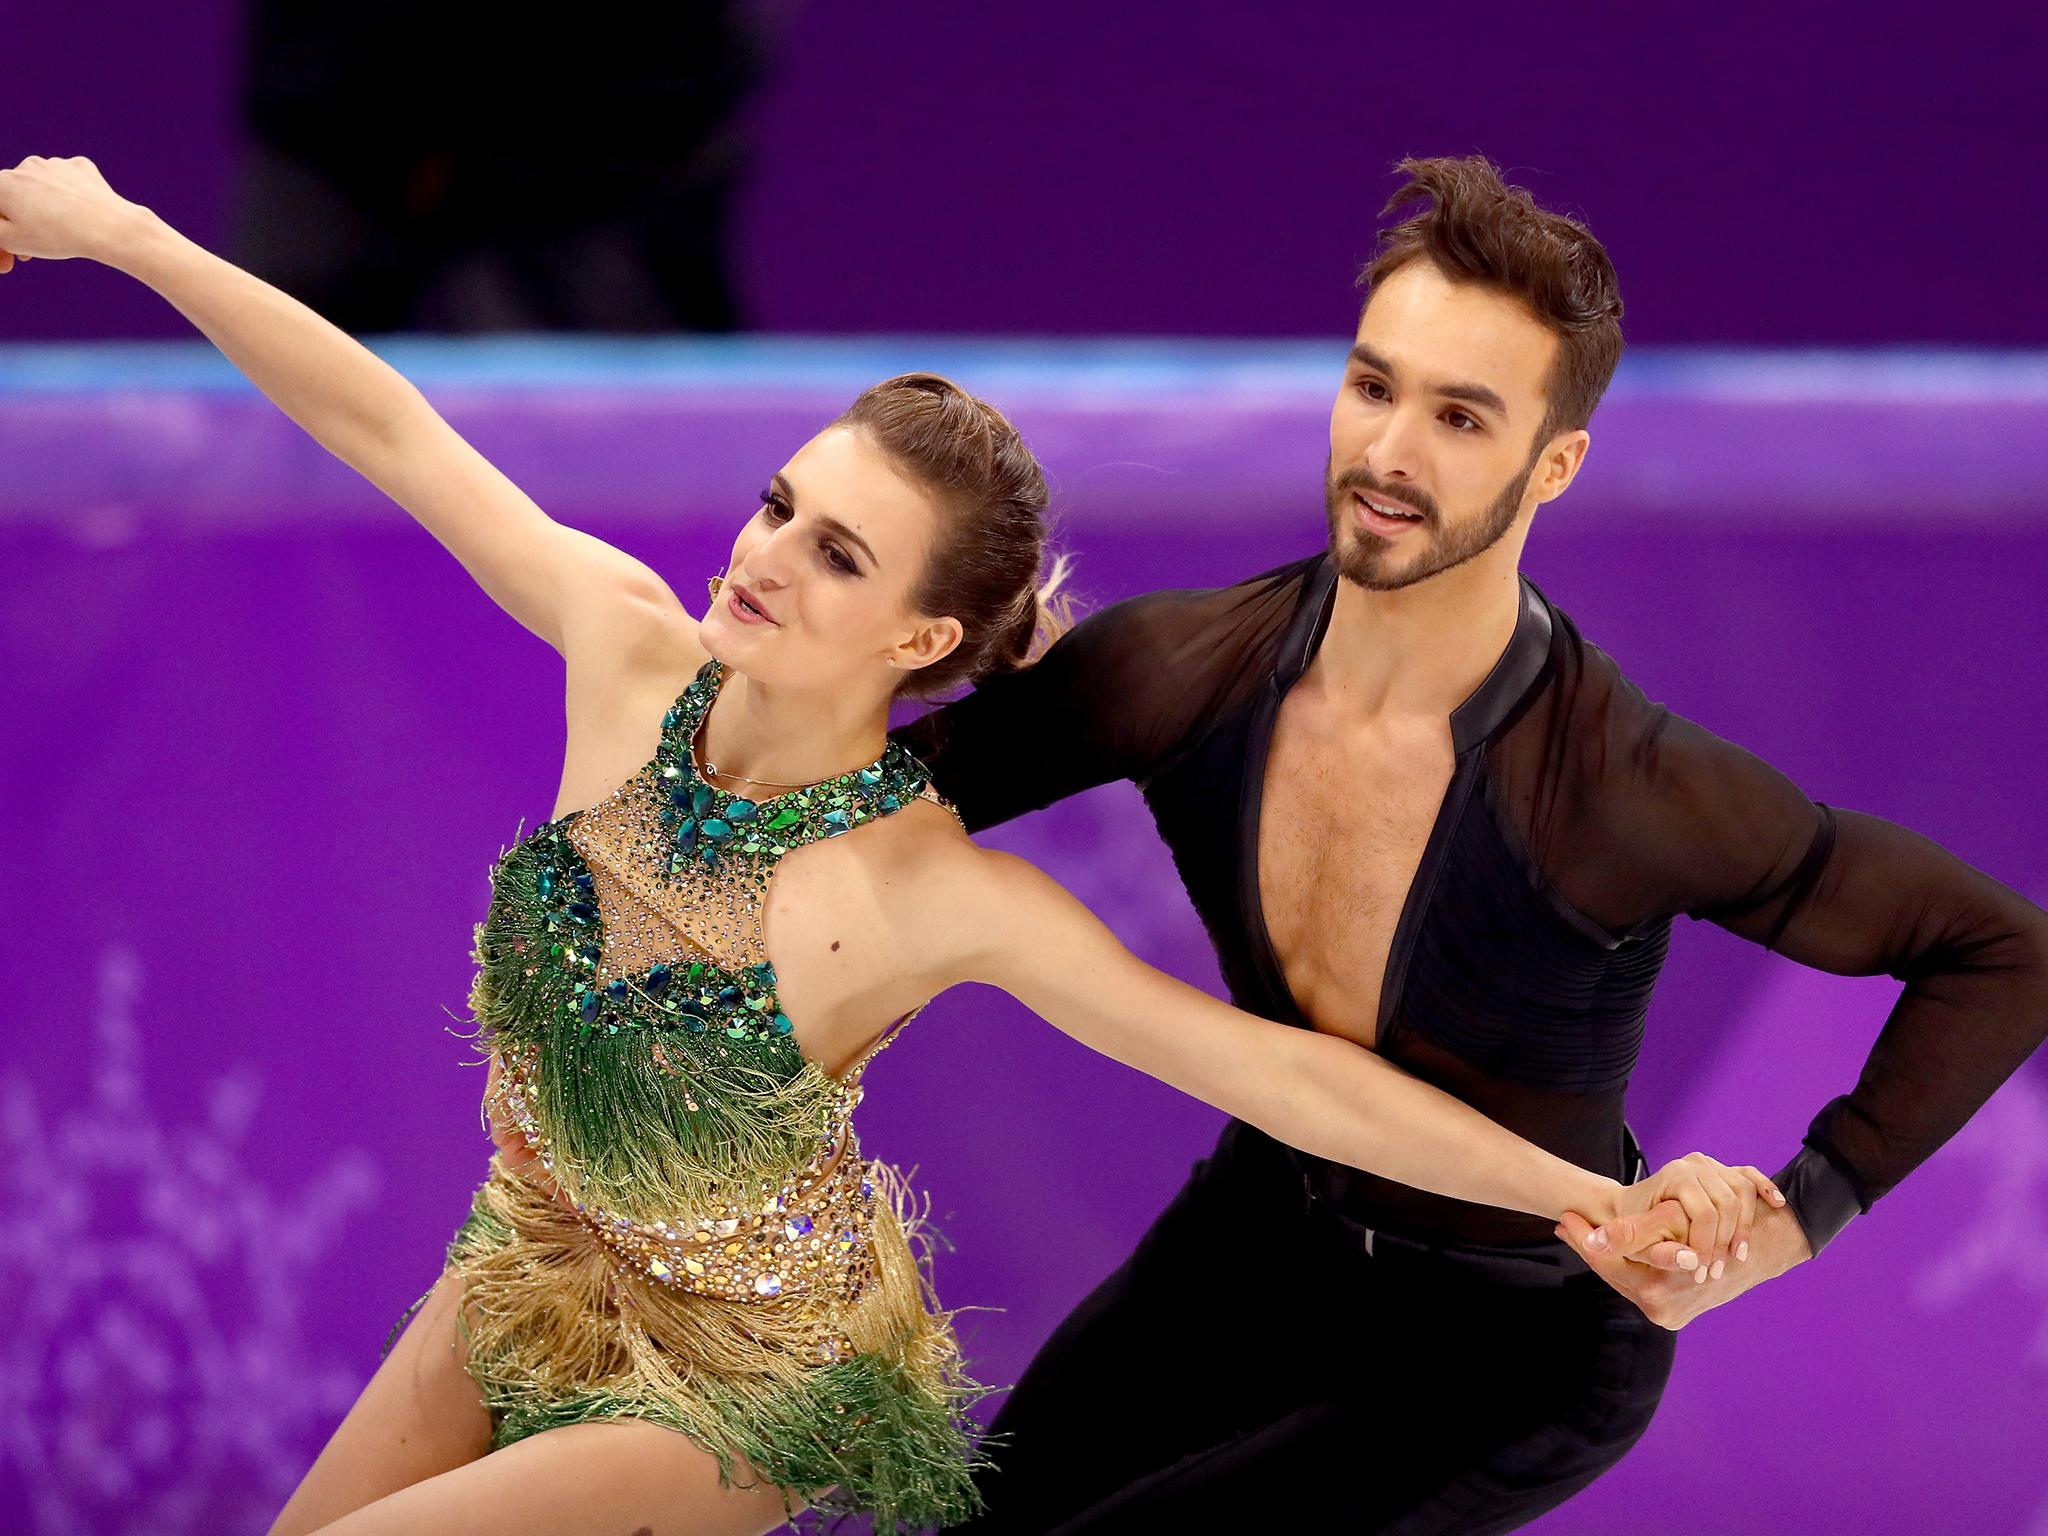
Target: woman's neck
<point x="776" y="737"/>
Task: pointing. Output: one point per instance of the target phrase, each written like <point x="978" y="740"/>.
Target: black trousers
<point x="1254" y="1368"/>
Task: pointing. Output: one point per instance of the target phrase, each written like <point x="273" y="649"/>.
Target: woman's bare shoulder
<point x="946" y="897"/>
<point x="639" y="642"/>
<point x="922" y="841"/>
<point x="921" y="867"/>
<point x="889" y="860"/>
<point x="614" y="699"/>
<point x="639" y="629"/>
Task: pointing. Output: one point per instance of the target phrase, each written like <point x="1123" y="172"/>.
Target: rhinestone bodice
<point x="625" y="988"/>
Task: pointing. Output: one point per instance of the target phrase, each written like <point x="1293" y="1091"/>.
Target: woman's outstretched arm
<point x="572" y="590"/>
<point x="997" y="919"/>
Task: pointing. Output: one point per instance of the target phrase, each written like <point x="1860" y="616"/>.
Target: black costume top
<point x="1580" y="820"/>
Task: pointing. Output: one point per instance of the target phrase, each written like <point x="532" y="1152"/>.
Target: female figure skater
<point x="682" y="1300"/>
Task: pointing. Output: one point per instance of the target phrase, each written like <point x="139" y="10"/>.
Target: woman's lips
<point x="746" y="607"/>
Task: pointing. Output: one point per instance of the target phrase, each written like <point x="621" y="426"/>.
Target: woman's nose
<point x="771" y="561"/>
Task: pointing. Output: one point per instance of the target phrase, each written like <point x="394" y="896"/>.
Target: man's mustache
<point x="1368" y="483"/>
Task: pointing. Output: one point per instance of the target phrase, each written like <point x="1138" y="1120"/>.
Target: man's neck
<point x="1420" y="651"/>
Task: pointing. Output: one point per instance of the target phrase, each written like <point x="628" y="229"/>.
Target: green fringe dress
<point x="722" y="1260"/>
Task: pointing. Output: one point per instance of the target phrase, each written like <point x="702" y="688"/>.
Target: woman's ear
<point x="931" y="641"/>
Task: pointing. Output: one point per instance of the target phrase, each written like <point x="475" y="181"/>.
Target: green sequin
<point x="546" y="995"/>
<point x="667" y="1091"/>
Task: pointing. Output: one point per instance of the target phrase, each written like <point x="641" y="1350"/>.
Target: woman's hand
<point x="1692" y="1214"/>
<point x="59" y="209"/>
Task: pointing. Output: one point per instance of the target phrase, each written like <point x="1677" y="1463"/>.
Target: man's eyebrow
<point x="1472" y="394"/>
<point x="832" y="525"/>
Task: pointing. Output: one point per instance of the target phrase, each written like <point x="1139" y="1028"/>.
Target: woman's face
<point x="817" y="590"/>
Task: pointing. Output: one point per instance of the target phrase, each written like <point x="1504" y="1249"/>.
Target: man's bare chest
<point x="1345" y="817"/>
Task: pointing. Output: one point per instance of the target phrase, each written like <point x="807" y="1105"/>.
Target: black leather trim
<point x="1305" y="629"/>
<point x="1820" y="1196"/>
<point x="1508" y="684"/>
<point x="1500" y="693"/>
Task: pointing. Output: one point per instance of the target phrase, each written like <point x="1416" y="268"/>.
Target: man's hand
<point x="1701" y="1205"/>
<point x="1671" y="1297"/>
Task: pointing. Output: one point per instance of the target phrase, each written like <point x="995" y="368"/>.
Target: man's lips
<point x="742" y="600"/>
<point x="1387" y="504"/>
<point x="1387" y="524"/>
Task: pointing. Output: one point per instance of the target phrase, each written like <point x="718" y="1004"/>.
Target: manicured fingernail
<point x="1597" y="1240"/>
<point x="1557" y="1231"/>
<point x="1687" y="1259"/>
<point x="1699" y="1277"/>
<point x="1742" y="1253"/>
<point x="1720" y="1268"/>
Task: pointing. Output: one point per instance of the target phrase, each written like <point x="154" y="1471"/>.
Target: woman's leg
<point x="623" y="1478"/>
<point x="420" y="1416"/>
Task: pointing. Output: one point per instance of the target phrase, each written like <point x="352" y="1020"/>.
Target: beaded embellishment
<point x="723" y="1260"/>
<point x="625" y="987"/>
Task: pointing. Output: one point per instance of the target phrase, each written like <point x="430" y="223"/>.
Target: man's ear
<point x="1558" y="464"/>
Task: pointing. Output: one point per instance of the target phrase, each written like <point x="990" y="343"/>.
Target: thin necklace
<point x="712" y="771"/>
<point x="708" y="771"/>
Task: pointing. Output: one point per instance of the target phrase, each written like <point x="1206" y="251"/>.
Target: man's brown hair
<point x="1478" y="229"/>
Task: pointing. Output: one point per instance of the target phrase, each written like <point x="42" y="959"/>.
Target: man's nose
<point x="1394" y="452"/>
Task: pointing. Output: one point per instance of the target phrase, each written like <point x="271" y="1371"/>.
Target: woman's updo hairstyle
<point x="983" y="567"/>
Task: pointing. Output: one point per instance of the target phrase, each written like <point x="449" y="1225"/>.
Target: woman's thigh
<point x="420" y="1416"/>
<point x="603" y="1479"/>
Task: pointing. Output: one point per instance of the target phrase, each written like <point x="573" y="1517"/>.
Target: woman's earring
<point x="715" y="585"/>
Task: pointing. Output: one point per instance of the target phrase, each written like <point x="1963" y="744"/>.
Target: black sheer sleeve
<point x="1114" y="698"/>
<point x="1662" y="817"/>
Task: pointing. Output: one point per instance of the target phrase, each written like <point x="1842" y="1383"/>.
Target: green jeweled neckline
<point x="711" y="826"/>
<point x="698" y="997"/>
<point x="705" y="832"/>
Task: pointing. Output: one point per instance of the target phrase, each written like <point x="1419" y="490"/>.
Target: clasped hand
<point x="1694" y="1234"/>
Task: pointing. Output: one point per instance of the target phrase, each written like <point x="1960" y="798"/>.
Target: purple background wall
<point x="1767" y="174"/>
<point x="265" y="738"/>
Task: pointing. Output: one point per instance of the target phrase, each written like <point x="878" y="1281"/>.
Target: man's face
<point x="1432" y="437"/>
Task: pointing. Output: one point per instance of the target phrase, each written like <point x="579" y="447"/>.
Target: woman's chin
<point x="737" y="647"/>
<point x="722" y="636"/>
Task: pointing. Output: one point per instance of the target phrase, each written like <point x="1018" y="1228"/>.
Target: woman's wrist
<point x="1596" y="1198"/>
<point x="134" y="238"/>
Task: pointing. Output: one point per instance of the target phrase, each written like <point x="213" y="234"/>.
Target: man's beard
<point x="1370" y="562"/>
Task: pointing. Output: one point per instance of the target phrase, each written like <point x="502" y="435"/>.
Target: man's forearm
<point x="1974" y="957"/>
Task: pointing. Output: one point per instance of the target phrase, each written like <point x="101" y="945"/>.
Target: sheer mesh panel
<point x="646" y="919"/>
<point x="1617" y="817"/>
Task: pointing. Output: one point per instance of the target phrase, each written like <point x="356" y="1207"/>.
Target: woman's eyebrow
<point x="832" y="525"/>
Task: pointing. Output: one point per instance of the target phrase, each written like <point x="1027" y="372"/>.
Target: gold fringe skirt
<point x="847" y="1402"/>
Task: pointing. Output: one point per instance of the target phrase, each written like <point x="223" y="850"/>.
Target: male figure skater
<point x="1415" y="807"/>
